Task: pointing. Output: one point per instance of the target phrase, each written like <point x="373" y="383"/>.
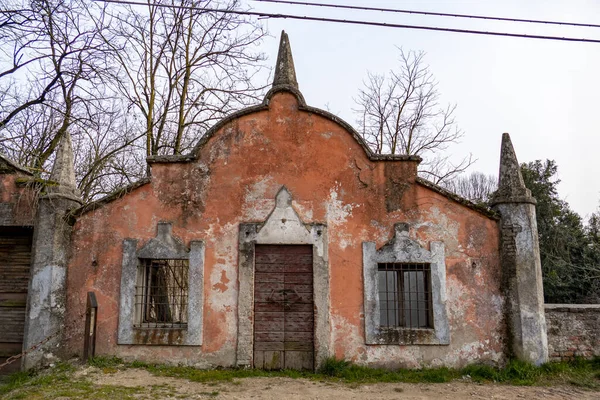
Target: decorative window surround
<point x="163" y="246"/>
<point x="402" y="249"/>
<point x="283" y="226"/>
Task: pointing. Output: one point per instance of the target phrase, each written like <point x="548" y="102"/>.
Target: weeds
<point x="60" y="382"/>
<point x="16" y="380"/>
<point x="219" y="375"/>
<point x="334" y="367"/>
<point x="578" y="372"/>
<point x="353" y="373"/>
<point x="106" y="362"/>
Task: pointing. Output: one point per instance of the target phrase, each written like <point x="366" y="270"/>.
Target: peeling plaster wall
<point x="332" y="182"/>
<point x="17" y="204"/>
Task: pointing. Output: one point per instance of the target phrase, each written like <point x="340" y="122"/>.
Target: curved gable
<point x="265" y="106"/>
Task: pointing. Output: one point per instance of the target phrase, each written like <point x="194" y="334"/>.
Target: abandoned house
<point x="281" y="240"/>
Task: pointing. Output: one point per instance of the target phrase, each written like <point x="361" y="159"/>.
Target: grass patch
<point x="15" y="381"/>
<point x="334" y="367"/>
<point x="577" y="372"/>
<point x="220" y="374"/>
<point x="60" y="381"/>
<point x="106" y="362"/>
<point x="351" y="373"/>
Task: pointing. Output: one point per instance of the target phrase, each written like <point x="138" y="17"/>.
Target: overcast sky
<point x="546" y="94"/>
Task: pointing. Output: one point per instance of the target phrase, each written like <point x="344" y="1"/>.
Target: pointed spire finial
<point x="63" y="170"/>
<point x="285" y="74"/>
<point x="511" y="187"/>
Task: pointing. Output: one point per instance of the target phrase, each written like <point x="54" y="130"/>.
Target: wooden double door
<point x="283" y="307"/>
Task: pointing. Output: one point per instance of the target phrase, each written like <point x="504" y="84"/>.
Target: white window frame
<point x="163" y="246"/>
<point x="402" y="249"/>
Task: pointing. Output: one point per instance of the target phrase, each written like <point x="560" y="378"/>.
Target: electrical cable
<point x="429" y="13"/>
<point x="356" y="22"/>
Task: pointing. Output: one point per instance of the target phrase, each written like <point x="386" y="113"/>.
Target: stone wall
<point x="573" y="330"/>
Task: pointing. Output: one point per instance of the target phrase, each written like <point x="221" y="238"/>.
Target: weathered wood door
<point x="283" y="307"/>
<point x="15" y="257"/>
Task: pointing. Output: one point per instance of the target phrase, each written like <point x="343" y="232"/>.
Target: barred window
<point x="405" y="295"/>
<point x="162" y="294"/>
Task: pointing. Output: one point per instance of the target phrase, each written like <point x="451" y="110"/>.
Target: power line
<point x="355" y="22"/>
<point x="429" y="13"/>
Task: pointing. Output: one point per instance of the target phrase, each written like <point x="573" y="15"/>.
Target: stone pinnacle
<point x="285" y="74"/>
<point x="511" y="187"/>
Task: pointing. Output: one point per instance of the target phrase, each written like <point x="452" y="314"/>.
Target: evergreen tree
<point x="570" y="252"/>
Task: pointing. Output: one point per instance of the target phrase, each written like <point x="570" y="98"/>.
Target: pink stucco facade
<point x="233" y="178"/>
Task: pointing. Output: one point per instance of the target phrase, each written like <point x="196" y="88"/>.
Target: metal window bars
<point x="161" y="299"/>
<point x="405" y="295"/>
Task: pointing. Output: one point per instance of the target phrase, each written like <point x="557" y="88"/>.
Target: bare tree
<point x="23" y="34"/>
<point x="109" y="151"/>
<point x="400" y="114"/>
<point x="184" y="68"/>
<point x="54" y="81"/>
<point x="477" y="186"/>
<point x="51" y="72"/>
<point x="151" y="84"/>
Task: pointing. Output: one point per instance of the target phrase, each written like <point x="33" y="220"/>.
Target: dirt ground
<point x="292" y="389"/>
